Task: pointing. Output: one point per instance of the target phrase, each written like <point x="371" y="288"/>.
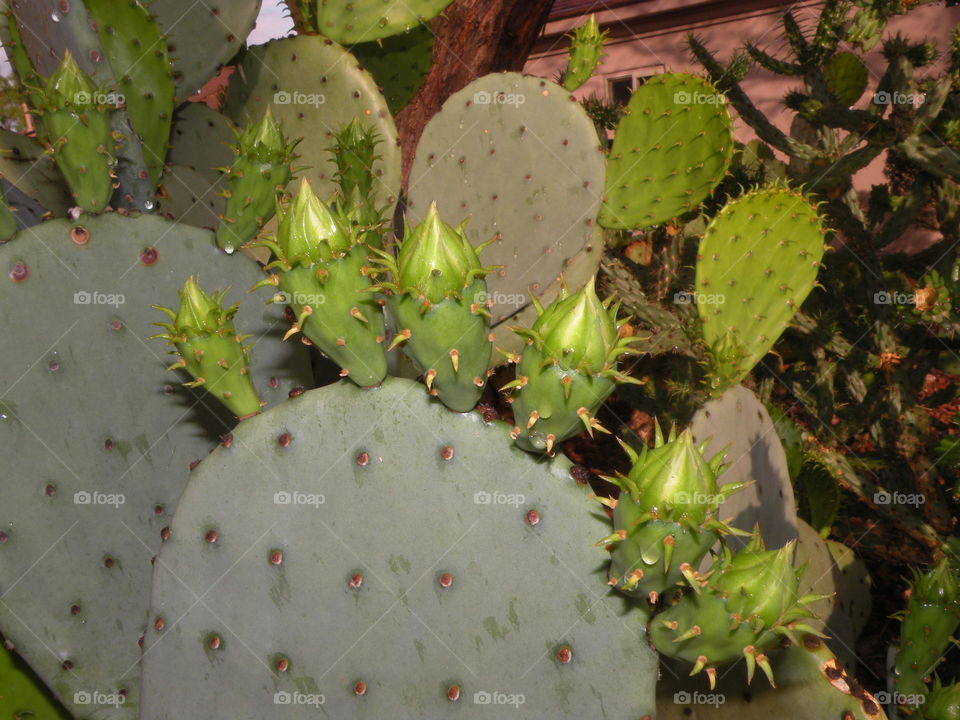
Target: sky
<point x="273" y="22"/>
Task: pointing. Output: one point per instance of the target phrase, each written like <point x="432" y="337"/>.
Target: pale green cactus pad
<point x="97" y="436"/>
<point x="366" y="20"/>
<point x="323" y="90"/>
<point x="520" y="158"/>
<point x="406" y="562"/>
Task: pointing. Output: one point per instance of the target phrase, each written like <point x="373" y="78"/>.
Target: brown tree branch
<point x="474" y="38"/>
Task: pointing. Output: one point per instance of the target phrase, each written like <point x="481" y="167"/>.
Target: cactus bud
<point x="209" y="348"/>
<point x="568" y="368"/>
<point x="309" y="232"/>
<point x="586" y="52"/>
<point x="261" y="169"/>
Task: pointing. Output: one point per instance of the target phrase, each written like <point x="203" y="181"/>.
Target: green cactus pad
<point x="381" y="585"/>
<point x="325" y="89"/>
<point x="137" y="52"/>
<point x="22" y="695"/>
<point x="201" y="140"/>
<point x="520" y="157"/>
<point x="846" y="77"/>
<point x="586" y="53"/>
<point x="202" y="36"/>
<point x="671" y="149"/>
<point x="188" y="197"/>
<point x="365" y="20"/>
<point x="811" y="685"/>
<point x="75" y="569"/>
<point x="756" y="264"/>
<point x="398" y="64"/>
<point x="738" y="423"/>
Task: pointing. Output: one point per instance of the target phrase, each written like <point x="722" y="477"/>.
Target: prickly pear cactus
<point x="811" y="684"/>
<point x="304" y="606"/>
<point x="398" y="64"/>
<point x="846" y="77"/>
<point x="928" y="623"/>
<point x="671" y="149"/>
<point x="738" y="423"/>
<point x="567" y="369"/>
<point x="138" y="57"/>
<point x="27" y="168"/>
<point x="323" y="90"/>
<point x="201" y="140"/>
<point x="586" y="52"/>
<point x="942" y="703"/>
<point x="261" y="168"/>
<point x="437" y="297"/>
<point x="363" y="20"/>
<point x="757" y="262"/>
<point x="740" y="611"/>
<point x="87" y="492"/>
<point x="665" y="520"/>
<point x="522" y="159"/>
<point x="22" y="695"/>
<point x="322" y="272"/>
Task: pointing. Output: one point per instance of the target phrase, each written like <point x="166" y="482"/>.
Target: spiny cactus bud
<point x="567" y="369"/>
<point x="586" y="51"/>
<point x="322" y="272"/>
<point x="941" y="702"/>
<point x="439" y="299"/>
<point x="665" y="519"/>
<point x="309" y="232"/>
<point x="930" y="619"/>
<point x="76" y="125"/>
<point x="261" y="170"/>
<point x="210" y="349"/>
<point x="354" y="153"/>
<point x="742" y="608"/>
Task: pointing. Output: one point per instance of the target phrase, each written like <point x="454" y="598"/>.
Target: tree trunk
<point x="474" y="38"/>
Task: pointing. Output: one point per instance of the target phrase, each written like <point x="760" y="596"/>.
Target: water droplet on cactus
<point x="55" y="17"/>
<point x="149" y="205"/>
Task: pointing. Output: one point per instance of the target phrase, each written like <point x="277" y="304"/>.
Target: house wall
<point x="650" y="36"/>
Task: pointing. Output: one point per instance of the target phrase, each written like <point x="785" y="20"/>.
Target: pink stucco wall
<point x="664" y="48"/>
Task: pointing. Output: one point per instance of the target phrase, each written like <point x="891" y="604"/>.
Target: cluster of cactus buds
<point x="202" y="331"/>
<point x="665" y="519"/>
<point x="743" y="607"/>
<point x="260" y="172"/>
<point x="322" y="274"/>
<point x="567" y="369"/>
<point x="76" y="125"/>
<point x="438" y="297"/>
<point x="354" y="153"/>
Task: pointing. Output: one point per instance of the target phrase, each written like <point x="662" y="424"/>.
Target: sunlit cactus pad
<point x="369" y="554"/>
<point x="96" y="436"/>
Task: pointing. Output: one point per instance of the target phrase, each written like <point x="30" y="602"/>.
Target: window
<point x="621" y="87"/>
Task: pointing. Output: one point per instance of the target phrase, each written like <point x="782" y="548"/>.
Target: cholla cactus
<point x="665" y="519"/>
<point x="567" y="369"/>
<point x="209" y="348"/>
